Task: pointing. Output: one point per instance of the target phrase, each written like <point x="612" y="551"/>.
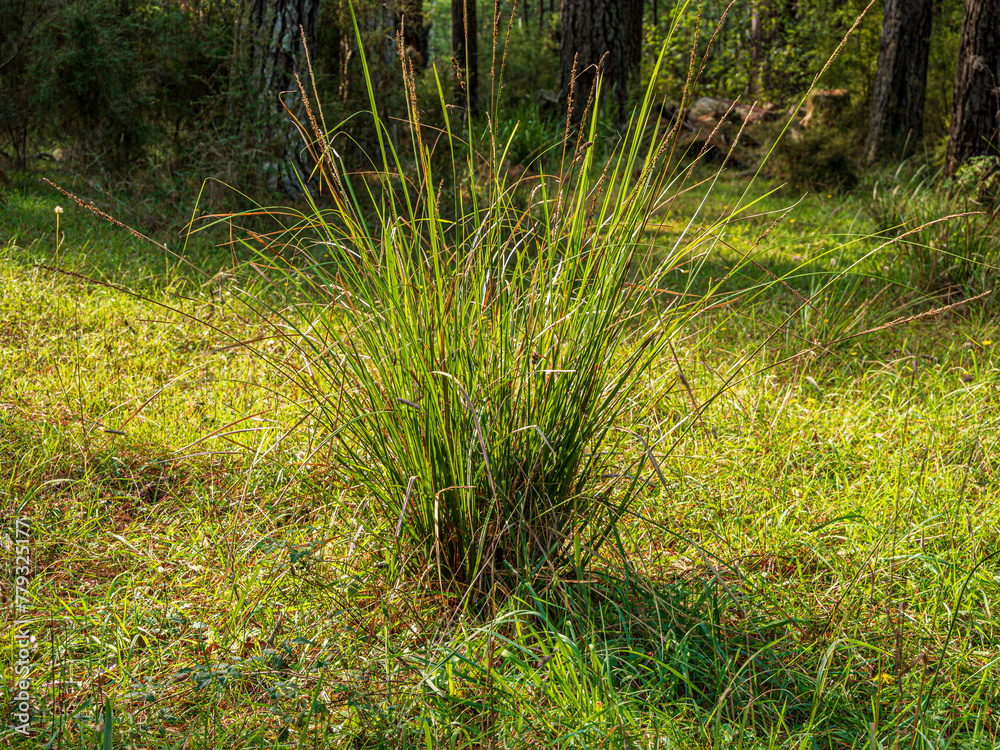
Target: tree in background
<point x="22" y="23"/>
<point x="603" y="35"/>
<point x="774" y="30"/>
<point x="464" y="52"/>
<point x="268" y="54"/>
<point x="897" y="108"/>
<point x="414" y="31"/>
<point x="976" y="119"/>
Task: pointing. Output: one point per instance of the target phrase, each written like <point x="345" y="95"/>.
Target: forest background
<point x="154" y="97"/>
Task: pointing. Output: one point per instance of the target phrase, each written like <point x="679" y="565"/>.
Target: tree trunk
<point x="464" y="50"/>
<point x="414" y="32"/>
<point x="897" y="109"/>
<point x="976" y="116"/>
<point x="268" y="55"/>
<point x="633" y="38"/>
<point x="751" y="87"/>
<point x="599" y="34"/>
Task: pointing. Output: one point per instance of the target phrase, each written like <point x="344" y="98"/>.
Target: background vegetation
<point x="139" y="96"/>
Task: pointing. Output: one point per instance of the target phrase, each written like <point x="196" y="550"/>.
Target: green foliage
<point x="978" y="180"/>
<point x="86" y="82"/>
<point x="471" y="371"/>
<point x="529" y="53"/>
<point x="22" y="27"/>
<point x="530" y="139"/>
<point x="794" y="41"/>
<point x="945" y="32"/>
<point x="948" y="240"/>
<point x="113" y="80"/>
<point x="184" y="51"/>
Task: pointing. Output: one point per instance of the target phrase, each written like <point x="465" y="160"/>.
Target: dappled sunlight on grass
<point x="811" y="496"/>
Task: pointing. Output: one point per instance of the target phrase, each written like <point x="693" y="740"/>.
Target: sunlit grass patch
<point x="810" y="498"/>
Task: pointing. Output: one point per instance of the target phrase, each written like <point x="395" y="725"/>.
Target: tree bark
<point x="599" y="34"/>
<point x="897" y="109"/>
<point x="414" y="32"/>
<point x="268" y="55"/>
<point x="751" y="87"/>
<point x="976" y="114"/>
<point x="464" y="51"/>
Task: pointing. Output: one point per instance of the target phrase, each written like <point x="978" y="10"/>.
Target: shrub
<point x="816" y="158"/>
<point x="85" y="76"/>
<point x="978" y="180"/>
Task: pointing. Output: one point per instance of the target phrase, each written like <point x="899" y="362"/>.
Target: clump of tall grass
<point x="468" y="351"/>
<point x="948" y="239"/>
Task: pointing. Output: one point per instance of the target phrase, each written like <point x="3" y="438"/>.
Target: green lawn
<point x="815" y="568"/>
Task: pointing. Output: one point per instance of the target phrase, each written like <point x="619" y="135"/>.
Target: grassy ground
<point x="815" y="569"/>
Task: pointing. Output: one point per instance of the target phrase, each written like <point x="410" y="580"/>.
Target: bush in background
<point x="817" y="158"/>
<point x="115" y="84"/>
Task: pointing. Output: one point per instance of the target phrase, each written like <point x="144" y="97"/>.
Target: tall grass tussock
<point x="469" y="349"/>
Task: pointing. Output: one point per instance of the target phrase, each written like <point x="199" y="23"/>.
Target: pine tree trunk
<point x="751" y="87"/>
<point x="897" y="109"/>
<point x="605" y="34"/>
<point x="414" y="32"/>
<point x="267" y="57"/>
<point x="465" y="50"/>
<point x="976" y="114"/>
